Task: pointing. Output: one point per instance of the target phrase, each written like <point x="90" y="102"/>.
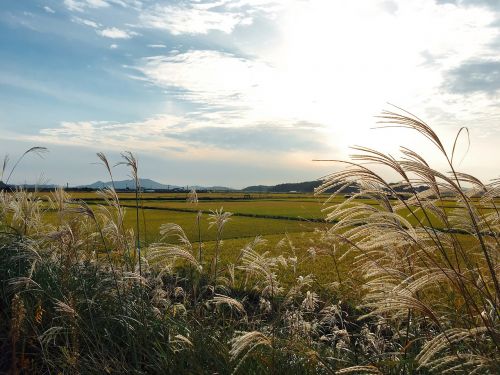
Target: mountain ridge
<point x="148" y="184"/>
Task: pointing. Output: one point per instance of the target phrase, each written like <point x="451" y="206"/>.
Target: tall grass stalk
<point x="37" y="150"/>
<point x="218" y="219"/>
<point x="131" y="162"/>
<point x="412" y="262"/>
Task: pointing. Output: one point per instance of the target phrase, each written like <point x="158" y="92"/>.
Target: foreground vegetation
<point x="391" y="286"/>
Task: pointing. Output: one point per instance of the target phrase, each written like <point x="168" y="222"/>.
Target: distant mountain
<point x="145" y="183"/>
<point x="149" y="184"/>
<point x="257" y="189"/>
<point x="309" y="186"/>
<point x="299" y="187"/>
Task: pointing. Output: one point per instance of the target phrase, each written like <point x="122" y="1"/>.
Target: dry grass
<point x="422" y="273"/>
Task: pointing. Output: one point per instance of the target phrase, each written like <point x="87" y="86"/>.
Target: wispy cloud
<point x="191" y="135"/>
<point x="115" y="33"/>
<point x="192" y="18"/>
<point x="49" y="9"/>
<point x="157" y="46"/>
<point x="140" y="135"/>
<point x="488" y="3"/>
<point x="107" y="32"/>
<point x="205" y="76"/>
<point x="474" y="76"/>
<point x="80" y="5"/>
<point x="136" y="4"/>
<point x="268" y="8"/>
<point x="85" y="22"/>
<point x="257" y="137"/>
<point x="74" y="5"/>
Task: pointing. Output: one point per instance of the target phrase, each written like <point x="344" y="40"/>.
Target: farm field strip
<point x="311" y="212"/>
<point x="281" y="205"/>
<point x="238" y="227"/>
<point x="260" y="216"/>
<point x="287" y="210"/>
<point x="93" y="195"/>
<point x="290" y="210"/>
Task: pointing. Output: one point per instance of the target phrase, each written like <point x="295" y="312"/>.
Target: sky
<point x="242" y="92"/>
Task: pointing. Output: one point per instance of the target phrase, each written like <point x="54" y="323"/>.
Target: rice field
<point x="271" y="214"/>
<point x="238" y="227"/>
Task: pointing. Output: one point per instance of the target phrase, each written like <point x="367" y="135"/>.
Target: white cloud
<point x="199" y="74"/>
<point x="157" y="46"/>
<point x="48" y="9"/>
<point x="113" y="46"/>
<point x="136" y="4"/>
<point x="115" y="33"/>
<point x="85" y="22"/>
<point x="74" y="5"/>
<point x="191" y="19"/>
<point x="152" y="133"/>
<point x="97" y="3"/>
<point x="80" y="5"/>
<point x="338" y="64"/>
<point x="196" y="137"/>
<point x="201" y="17"/>
<point x="268" y="8"/>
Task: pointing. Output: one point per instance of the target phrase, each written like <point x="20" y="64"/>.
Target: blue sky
<point x="239" y="92"/>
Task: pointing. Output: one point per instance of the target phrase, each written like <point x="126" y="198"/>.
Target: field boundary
<point x="256" y="216"/>
<point x="291" y="218"/>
